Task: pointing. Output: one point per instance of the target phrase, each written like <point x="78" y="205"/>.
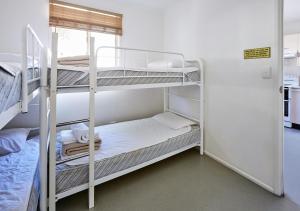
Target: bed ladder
<point x="54" y="125"/>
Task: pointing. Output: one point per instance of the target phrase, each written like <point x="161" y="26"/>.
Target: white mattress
<point x="129" y="136"/>
<point x="140" y="69"/>
<point x="17" y="171"/>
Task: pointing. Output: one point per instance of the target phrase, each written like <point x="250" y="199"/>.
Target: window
<point x="76" y="24"/>
<point x="73" y="42"/>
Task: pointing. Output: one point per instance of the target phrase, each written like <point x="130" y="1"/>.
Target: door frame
<point x="279" y="136"/>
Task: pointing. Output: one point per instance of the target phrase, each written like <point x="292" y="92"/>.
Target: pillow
<point x="173" y="121"/>
<point x="174" y="63"/>
<point x="12" y="140"/>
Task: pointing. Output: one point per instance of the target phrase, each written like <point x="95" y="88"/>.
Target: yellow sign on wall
<point x="257" y="53"/>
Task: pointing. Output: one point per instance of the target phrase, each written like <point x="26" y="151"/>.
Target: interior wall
<point x="15" y="15"/>
<point x="292" y="27"/>
<point x="291" y="66"/>
<point x="240" y="106"/>
<point x="143" y="28"/>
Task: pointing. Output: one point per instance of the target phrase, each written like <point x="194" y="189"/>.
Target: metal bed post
<point x="92" y="78"/>
<point x="24" y="71"/>
<point x="201" y="86"/>
<point x="43" y="130"/>
<point x="52" y="155"/>
<point x="166" y="99"/>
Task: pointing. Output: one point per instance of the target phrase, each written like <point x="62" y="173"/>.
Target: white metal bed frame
<point x="38" y="56"/>
<point x="92" y="89"/>
<point x="37" y="51"/>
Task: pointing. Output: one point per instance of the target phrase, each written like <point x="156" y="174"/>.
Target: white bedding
<point x="17" y="172"/>
<point x="142" y="69"/>
<point x="129" y="136"/>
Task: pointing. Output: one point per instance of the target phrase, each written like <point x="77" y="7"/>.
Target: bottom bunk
<point x="19" y="178"/>
<point x="125" y="147"/>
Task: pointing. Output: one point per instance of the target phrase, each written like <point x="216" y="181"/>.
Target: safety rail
<point x="146" y="53"/>
<point x="32" y="58"/>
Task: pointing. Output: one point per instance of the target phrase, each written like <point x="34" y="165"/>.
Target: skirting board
<point x="244" y="174"/>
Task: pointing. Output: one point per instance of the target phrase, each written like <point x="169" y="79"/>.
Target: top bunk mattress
<point x="117" y="76"/>
<point x="11" y="84"/>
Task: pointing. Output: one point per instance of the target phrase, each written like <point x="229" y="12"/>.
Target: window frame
<point x="88" y="33"/>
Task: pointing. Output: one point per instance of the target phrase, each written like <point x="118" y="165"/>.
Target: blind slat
<point x="78" y="17"/>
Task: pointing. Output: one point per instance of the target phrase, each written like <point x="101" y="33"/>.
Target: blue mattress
<point x="19" y="181"/>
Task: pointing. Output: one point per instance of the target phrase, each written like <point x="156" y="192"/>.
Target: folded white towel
<point x="81" y="133"/>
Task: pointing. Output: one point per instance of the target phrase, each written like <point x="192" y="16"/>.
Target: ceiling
<point x="291" y="10"/>
<point x="158" y="4"/>
<point x="291" y="7"/>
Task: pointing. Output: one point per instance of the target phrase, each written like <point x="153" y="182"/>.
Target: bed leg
<point x="92" y="78"/>
<point x="43" y="133"/>
<point x="201" y="150"/>
<point x="201" y="87"/>
<point x="52" y="144"/>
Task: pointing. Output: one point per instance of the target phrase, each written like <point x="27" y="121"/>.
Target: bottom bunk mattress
<point x="11" y="85"/>
<point x="19" y="179"/>
<point x="125" y="145"/>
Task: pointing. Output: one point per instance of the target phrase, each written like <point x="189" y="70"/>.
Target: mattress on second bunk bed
<point x="125" y="145"/>
<point x="19" y="178"/>
<point x="11" y="84"/>
<point x="78" y="76"/>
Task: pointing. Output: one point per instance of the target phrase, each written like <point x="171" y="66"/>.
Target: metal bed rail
<point x="32" y="58"/>
<point x="35" y="58"/>
<point x="142" y="51"/>
<point x="146" y="53"/>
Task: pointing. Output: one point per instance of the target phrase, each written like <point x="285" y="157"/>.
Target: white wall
<point x="291" y="67"/>
<point x="291" y="27"/>
<point x="240" y="106"/>
<point x="15" y="15"/>
<point x="143" y="28"/>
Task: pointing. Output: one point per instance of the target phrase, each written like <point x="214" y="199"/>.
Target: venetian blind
<point x="67" y="15"/>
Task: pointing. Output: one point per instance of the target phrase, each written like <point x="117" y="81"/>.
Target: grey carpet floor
<point x="186" y="182"/>
<point x="292" y="164"/>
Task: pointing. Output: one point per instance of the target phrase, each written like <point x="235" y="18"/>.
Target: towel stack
<point x="76" y="141"/>
<point x="78" y="61"/>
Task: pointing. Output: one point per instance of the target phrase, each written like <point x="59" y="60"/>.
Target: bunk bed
<point x="20" y="83"/>
<point x="134" y="144"/>
<point x="19" y="77"/>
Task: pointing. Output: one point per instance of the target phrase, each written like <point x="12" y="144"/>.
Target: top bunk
<point x="131" y="69"/>
<point x="20" y="76"/>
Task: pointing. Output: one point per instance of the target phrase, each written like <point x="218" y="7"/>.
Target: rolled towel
<point x="81" y="133"/>
<point x="66" y="137"/>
